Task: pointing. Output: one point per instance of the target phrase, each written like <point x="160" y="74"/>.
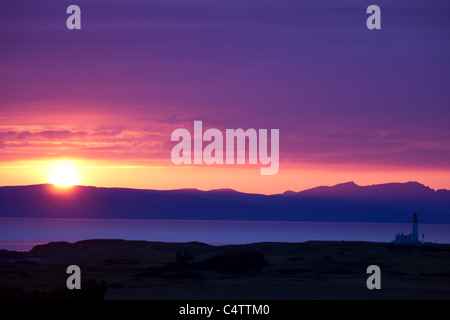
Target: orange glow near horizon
<point x="98" y="173"/>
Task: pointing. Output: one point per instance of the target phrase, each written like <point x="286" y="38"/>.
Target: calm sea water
<point x="23" y="234"/>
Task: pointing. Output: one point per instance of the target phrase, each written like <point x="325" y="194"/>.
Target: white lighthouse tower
<point x="413" y="237"/>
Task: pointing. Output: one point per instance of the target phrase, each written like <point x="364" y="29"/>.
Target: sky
<point x="351" y="104"/>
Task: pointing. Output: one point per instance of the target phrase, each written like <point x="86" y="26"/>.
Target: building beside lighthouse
<point x="413" y="237"/>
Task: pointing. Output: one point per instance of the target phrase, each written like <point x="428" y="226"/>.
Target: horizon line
<point x="223" y="189"/>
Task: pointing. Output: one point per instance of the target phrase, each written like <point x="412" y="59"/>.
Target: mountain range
<point x="346" y="202"/>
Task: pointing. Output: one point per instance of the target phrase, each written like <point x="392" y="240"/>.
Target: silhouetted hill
<point x="433" y="206"/>
<point x="393" y="202"/>
<point x="386" y="191"/>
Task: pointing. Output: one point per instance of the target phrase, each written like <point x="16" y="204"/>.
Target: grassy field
<point x="155" y="270"/>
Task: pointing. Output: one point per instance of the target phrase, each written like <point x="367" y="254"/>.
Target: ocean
<point x="24" y="233"/>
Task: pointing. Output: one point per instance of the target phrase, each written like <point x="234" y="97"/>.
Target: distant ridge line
<point x="345" y="202"/>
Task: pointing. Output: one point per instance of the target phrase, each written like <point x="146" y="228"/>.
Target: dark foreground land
<point x="119" y="269"/>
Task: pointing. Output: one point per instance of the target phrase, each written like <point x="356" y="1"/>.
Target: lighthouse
<point x="413" y="237"/>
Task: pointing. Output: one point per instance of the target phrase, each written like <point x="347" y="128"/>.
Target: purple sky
<point x="338" y="92"/>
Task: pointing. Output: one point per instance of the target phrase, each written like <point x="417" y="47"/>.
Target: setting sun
<point x="64" y="175"/>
